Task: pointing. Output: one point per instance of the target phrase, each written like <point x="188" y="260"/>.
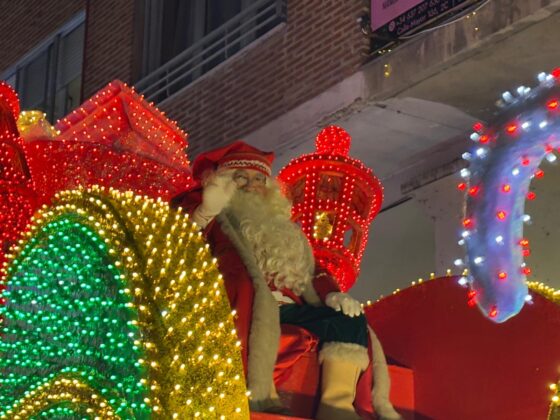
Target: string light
<point x="100" y="303"/>
<point x="497" y="182"/>
<point x="115" y="139"/>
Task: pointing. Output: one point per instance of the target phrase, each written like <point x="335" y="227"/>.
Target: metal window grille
<point x="214" y="48"/>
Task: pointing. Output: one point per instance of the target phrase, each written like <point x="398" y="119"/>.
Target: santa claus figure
<point x="271" y="278"/>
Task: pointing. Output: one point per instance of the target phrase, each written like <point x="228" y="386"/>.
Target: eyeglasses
<point x="244" y="179"/>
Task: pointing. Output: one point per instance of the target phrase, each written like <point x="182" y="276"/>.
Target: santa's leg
<point x="381" y="382"/>
<point x="342" y="364"/>
<point x="343" y="356"/>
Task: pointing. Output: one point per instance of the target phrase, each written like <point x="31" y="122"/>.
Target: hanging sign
<point x="394" y="18"/>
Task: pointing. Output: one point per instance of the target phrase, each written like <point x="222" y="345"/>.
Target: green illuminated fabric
<point x="67" y="312"/>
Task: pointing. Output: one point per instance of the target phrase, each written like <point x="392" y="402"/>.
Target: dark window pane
<point x="67" y="98"/>
<point x="177" y="27"/>
<point x="220" y="11"/>
<point x="34" y="82"/>
<point x="70" y="56"/>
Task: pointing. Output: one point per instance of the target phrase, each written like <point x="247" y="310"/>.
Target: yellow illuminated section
<point x="193" y="363"/>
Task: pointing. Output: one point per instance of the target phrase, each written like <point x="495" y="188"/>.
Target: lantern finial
<point x="334" y="140"/>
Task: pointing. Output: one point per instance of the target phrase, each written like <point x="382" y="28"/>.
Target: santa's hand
<point x="217" y="193"/>
<point x="345" y="303"/>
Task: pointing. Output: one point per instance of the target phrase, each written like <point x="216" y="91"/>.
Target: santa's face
<point x="250" y="180"/>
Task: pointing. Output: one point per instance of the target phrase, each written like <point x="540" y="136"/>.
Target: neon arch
<point x="505" y="159"/>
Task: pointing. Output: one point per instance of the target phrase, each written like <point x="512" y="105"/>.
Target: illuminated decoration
<point x="115" y="308"/>
<point x="115" y="139"/>
<point x="335" y="198"/>
<point x="17" y="196"/>
<point x="34" y="124"/>
<point x="505" y="158"/>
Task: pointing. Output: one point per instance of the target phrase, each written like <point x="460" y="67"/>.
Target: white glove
<point x="217" y="193"/>
<point x="341" y="301"/>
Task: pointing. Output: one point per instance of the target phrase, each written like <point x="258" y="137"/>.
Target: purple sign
<point x="393" y="18"/>
<point x="384" y="11"/>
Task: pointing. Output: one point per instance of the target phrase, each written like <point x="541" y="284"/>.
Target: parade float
<point x="113" y="306"/>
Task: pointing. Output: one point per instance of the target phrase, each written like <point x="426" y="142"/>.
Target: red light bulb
<point x="478" y="126"/>
<point x="539" y="173"/>
<point x="511" y="128"/>
<point x="474" y="191"/>
<point x="552" y="104"/>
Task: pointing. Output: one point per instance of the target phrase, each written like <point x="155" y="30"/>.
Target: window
<point x="183" y="39"/>
<point x="49" y="78"/>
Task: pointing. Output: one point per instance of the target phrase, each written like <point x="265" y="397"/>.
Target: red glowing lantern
<point x="335" y="198"/>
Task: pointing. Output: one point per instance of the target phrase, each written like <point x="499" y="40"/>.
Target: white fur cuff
<point x="346" y="352"/>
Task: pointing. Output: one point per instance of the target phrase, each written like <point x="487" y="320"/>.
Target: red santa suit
<point x="242" y="277"/>
<point x="250" y="294"/>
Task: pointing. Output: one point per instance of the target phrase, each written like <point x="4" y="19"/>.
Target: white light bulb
<point x="461" y="242"/>
<point x="465" y="234"/>
<point x="465" y="173"/>
<point x="543" y="124"/>
<point x="478" y="260"/>
<point x="481" y="152"/>
<point x="525" y="126"/>
<point x="520" y="90"/>
<point x="526" y="218"/>
<point x="458" y="262"/>
<point x="507" y="96"/>
<point x="475" y="136"/>
<point x="466" y="156"/>
<point x="528" y="298"/>
<point x="462" y="281"/>
<point x="541" y="76"/>
<point x="551" y="157"/>
<point x="515" y="171"/>
<point x="499" y="239"/>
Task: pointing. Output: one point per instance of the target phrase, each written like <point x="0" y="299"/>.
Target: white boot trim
<point x="348" y="352"/>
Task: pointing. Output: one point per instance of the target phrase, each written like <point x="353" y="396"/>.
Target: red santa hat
<point x="237" y="155"/>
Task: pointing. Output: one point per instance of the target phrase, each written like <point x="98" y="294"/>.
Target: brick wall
<point x="25" y="23"/>
<point x="320" y="45"/>
<point x="111" y="43"/>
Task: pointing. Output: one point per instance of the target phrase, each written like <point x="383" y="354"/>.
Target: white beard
<point x="281" y="250"/>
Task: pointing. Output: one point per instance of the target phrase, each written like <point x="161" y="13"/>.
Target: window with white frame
<point x="184" y="39"/>
<point x="49" y="77"/>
